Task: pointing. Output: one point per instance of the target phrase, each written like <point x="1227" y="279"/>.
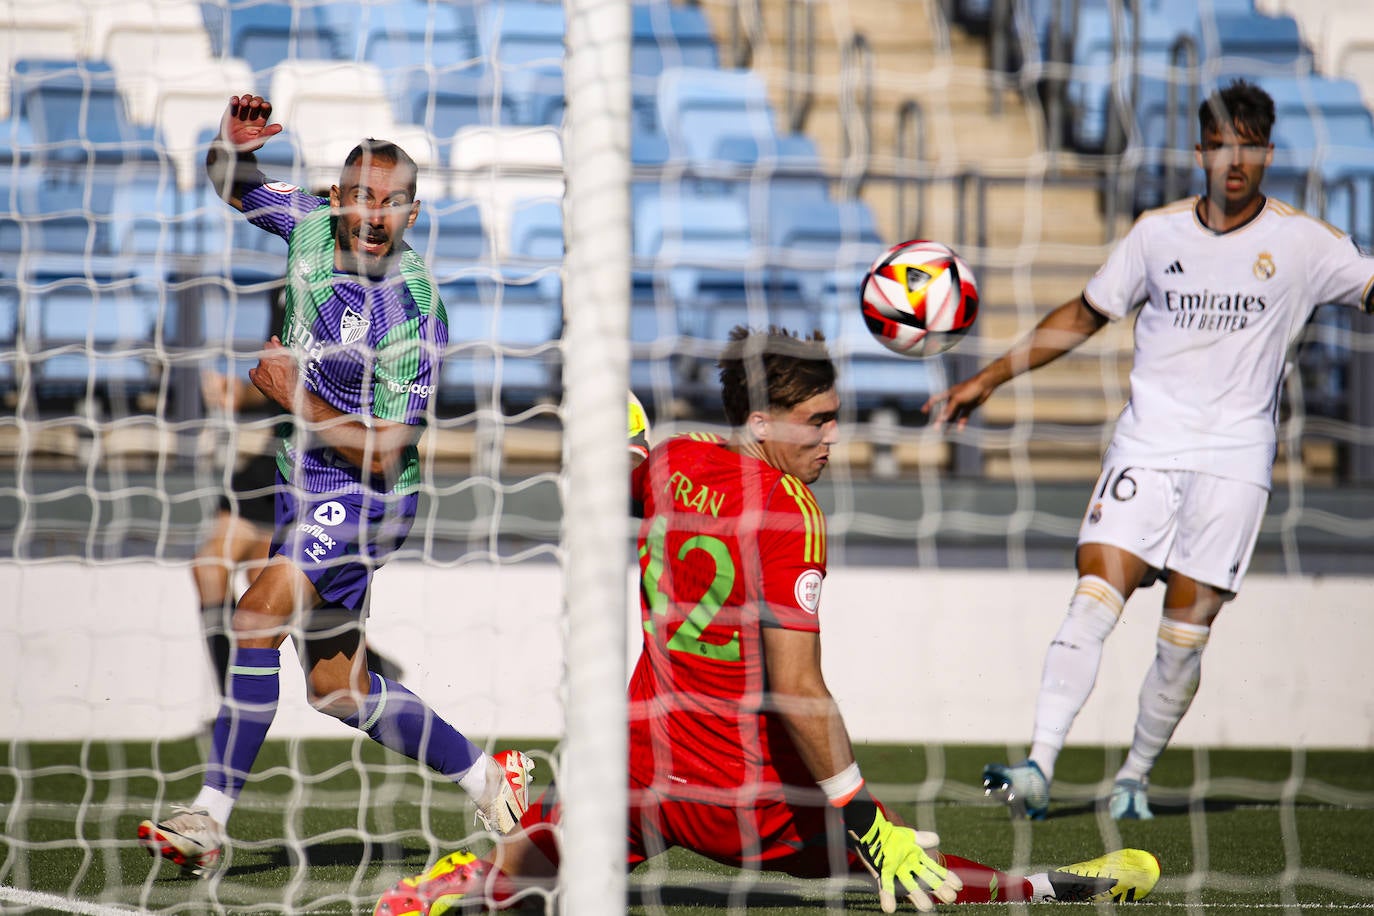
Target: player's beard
<point x="372" y="264"/>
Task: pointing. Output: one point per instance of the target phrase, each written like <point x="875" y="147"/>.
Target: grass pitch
<point x="325" y="826"/>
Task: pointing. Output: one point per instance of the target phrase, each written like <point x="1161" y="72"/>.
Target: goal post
<point x="596" y="290"/>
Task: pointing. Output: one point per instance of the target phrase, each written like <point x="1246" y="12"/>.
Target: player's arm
<point x="372" y="444"/>
<point x="1060" y="331"/>
<point x="230" y="163"/>
<point x="894" y="854"/>
<point x="803" y="702"/>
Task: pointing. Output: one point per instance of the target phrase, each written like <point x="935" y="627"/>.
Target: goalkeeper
<point x="738" y="752"/>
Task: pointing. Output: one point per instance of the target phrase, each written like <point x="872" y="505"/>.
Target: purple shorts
<point x="340" y="540"/>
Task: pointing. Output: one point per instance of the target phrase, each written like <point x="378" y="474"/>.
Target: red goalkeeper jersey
<point x="729" y="545"/>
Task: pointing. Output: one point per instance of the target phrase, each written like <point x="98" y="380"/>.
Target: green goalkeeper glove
<point x="893" y="854"/>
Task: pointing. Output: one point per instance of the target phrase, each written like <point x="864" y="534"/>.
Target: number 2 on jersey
<point x="688" y="636"/>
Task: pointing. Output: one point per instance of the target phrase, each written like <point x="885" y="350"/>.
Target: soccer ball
<point x="919" y="298"/>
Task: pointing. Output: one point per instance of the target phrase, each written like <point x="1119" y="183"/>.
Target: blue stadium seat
<point x="704" y="110"/>
<point x="523" y="39"/>
<point x="1095" y="59"/>
<point x="432" y="33"/>
<point x="669" y="35"/>
<point x="1264" y="42"/>
<point x="449" y="234"/>
<point x="92" y="335"/>
<point x="445" y="100"/>
<point x="1323" y="131"/>
<point x="870" y="375"/>
<point x="820" y="243"/>
<point x="265" y="34"/>
<point x="536" y="231"/>
<point x="9" y="334"/>
<point x="62" y="212"/>
<point x="503" y="331"/>
<point x="76" y="113"/>
<point x="659" y="351"/>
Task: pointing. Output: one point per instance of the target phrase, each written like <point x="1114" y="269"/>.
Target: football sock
<point x="250" y="704"/>
<point x="399" y="720"/>
<point x="1071" y="665"/>
<point x="1168" y="691"/>
<point x="986" y="885"/>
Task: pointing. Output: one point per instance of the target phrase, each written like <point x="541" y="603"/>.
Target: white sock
<point x="1041" y="889"/>
<point x="477" y="782"/>
<point x="216" y="802"/>
<point x="1071" y="665"/>
<point x="1168" y="691"/>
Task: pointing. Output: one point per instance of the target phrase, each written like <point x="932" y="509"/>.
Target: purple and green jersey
<point x="366" y="347"/>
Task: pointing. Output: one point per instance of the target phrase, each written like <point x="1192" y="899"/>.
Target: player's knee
<point x="1095" y="607"/>
<point x="332" y="696"/>
<point x="212" y="582"/>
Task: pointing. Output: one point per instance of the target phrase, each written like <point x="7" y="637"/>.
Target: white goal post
<point x="596" y="291"/>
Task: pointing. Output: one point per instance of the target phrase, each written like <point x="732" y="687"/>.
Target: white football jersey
<point x="1220" y="312"/>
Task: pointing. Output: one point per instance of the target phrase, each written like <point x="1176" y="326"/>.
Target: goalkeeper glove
<point x="893" y="854"/>
<point x="638" y="428"/>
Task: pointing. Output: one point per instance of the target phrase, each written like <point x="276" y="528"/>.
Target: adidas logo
<point x="1174" y="268"/>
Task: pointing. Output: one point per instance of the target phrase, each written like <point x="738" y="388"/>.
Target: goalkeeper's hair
<point x="384" y="151"/>
<point x="1241" y="104"/>
<point x="772" y="369"/>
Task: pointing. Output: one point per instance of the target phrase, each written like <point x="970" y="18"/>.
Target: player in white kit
<point x="1225" y="283"/>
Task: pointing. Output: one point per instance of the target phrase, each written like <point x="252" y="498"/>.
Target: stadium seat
<point x="186" y="103"/>
<point x="503" y="331"/>
<point x="266" y="34"/>
<point x="63" y="213"/>
<point x="447" y="100"/>
<point x="77" y="114"/>
<point x="522" y="34"/>
<point x="91" y="336"/>
<point x="53" y="30"/>
<point x="434" y="32"/>
<point x="135" y="36"/>
<point x="449" y="234"/>
<point x="819" y="243"/>
<point x="1266" y="43"/>
<point x="536" y="231"/>
<point x="523" y="40"/>
<point x="659" y="350"/>
<point x="9" y="335"/>
<point x="702" y="109"/>
<point x="666" y="34"/>
<point x="332" y="105"/>
<point x="1323" y="134"/>
<point x="1096" y="61"/>
<point x="501" y="167"/>
<point x="871" y="376"/>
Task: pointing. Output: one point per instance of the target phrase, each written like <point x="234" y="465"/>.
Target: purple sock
<point x="399" y="720"/>
<point x="250" y="703"/>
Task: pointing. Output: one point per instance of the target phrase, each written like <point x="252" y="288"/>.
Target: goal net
<point x="607" y="188"/>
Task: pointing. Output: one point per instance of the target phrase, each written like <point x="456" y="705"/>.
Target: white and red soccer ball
<point x="919" y="298"/>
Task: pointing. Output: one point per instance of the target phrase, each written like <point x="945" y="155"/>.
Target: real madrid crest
<point x="1264" y="266"/>
<point x="352" y="327"/>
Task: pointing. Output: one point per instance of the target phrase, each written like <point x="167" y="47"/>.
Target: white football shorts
<point x="1197" y="524"/>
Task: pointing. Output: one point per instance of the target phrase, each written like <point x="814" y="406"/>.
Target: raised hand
<point x="244" y="126"/>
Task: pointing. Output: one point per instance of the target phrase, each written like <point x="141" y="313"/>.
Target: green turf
<point x="325" y="825"/>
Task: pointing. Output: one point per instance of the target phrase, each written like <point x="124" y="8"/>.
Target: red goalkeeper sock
<point x="986" y="885"/>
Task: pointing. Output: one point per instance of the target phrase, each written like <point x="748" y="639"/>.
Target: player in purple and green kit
<point x="356" y="363"/>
